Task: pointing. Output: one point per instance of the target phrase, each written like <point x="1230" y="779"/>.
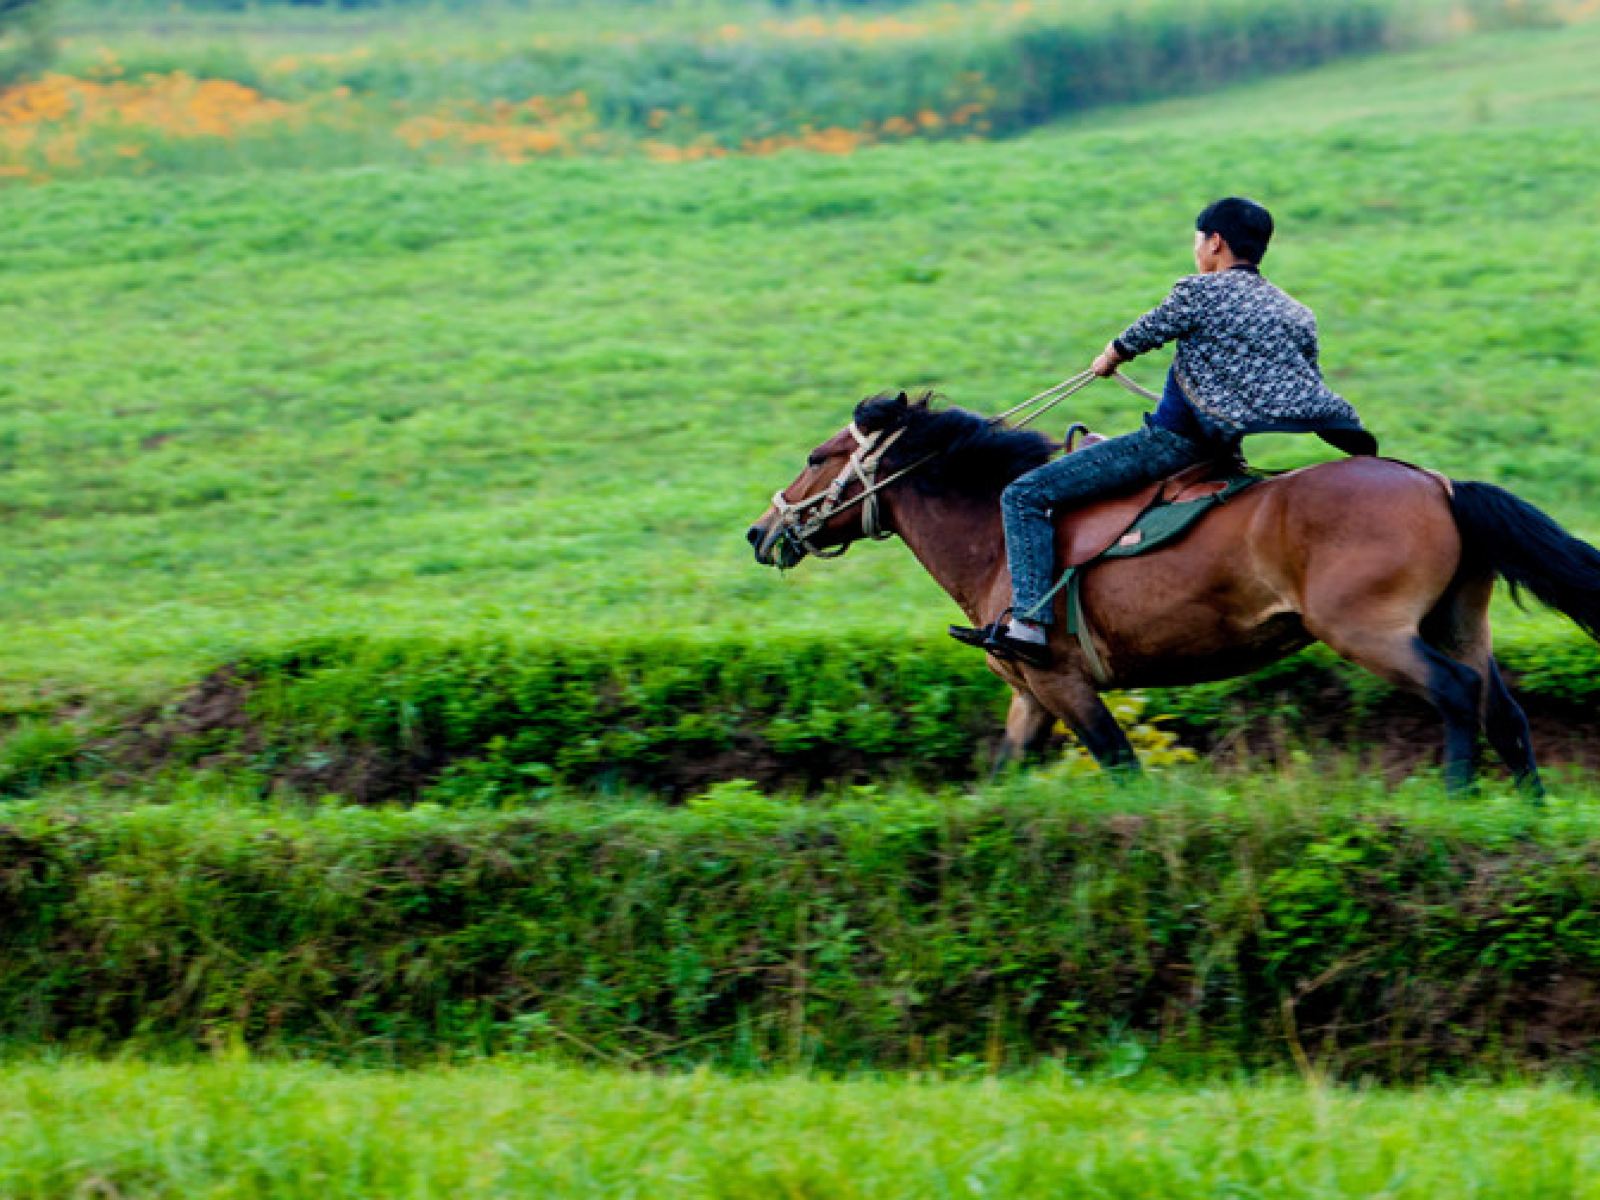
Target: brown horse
<point x="1391" y="566"/>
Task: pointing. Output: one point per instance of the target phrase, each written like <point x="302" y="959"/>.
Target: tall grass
<point x="1289" y="920"/>
<point x="749" y="82"/>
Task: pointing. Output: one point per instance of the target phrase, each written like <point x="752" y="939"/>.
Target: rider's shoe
<point x="1028" y="653"/>
<point x="994" y="638"/>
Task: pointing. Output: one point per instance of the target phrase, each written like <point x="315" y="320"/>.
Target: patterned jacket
<point x="1247" y="359"/>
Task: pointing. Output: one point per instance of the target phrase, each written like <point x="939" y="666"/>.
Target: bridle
<point x="802" y="520"/>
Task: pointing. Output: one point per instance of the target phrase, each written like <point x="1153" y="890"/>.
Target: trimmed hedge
<point x="476" y="720"/>
<point x="488" y="718"/>
<point x="887" y="930"/>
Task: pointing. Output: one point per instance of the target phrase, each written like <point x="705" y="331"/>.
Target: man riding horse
<point x="1246" y="363"/>
<point x="1389" y="565"/>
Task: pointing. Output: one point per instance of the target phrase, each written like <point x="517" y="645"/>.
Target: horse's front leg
<point x="1072" y="696"/>
<point x="1028" y="728"/>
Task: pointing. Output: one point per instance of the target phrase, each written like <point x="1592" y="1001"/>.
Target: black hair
<point x="970" y="456"/>
<point x="1243" y="224"/>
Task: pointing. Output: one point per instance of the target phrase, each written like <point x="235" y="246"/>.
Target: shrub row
<point x="484" y="718"/>
<point x="487" y="720"/>
<point x="758" y="80"/>
<point x="492" y="716"/>
<point x="886" y="930"/>
<point x="26" y="45"/>
<point x="1017" y="74"/>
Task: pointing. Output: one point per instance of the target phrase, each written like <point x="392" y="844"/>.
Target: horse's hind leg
<point x="1403" y="658"/>
<point x="1456" y="691"/>
<point x="1459" y="627"/>
<point x="1507" y="727"/>
<point x="1028" y="727"/>
<point x="1390" y="609"/>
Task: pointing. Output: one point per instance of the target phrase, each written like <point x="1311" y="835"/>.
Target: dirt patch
<point x="213" y="713"/>
<point x="753" y="759"/>
<point x="1398" y="736"/>
<point x="364" y="774"/>
<point x="212" y="726"/>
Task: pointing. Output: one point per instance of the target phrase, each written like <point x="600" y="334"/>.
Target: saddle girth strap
<point x="1078" y="624"/>
<point x="1077" y="620"/>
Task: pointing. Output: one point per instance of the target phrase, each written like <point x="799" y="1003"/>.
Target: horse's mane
<point x="973" y="457"/>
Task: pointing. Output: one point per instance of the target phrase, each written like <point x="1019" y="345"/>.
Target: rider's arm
<point x="1175" y="316"/>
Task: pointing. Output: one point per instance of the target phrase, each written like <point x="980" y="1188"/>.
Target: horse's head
<point x="833" y="503"/>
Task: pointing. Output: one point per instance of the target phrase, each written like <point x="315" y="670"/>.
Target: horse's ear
<point x="922" y="400"/>
<point x="902" y="400"/>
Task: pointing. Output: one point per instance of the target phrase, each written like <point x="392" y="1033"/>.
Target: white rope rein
<point x="1053" y="396"/>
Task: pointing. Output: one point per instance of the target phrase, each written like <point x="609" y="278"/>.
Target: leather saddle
<point x="1084" y="534"/>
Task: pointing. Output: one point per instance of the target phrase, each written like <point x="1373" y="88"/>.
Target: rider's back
<point x="1247" y="358"/>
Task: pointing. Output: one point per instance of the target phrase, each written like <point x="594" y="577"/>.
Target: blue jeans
<point x="1115" y="465"/>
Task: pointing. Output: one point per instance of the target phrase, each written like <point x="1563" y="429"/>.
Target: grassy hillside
<point x="546" y="401"/>
<point x="510" y="1130"/>
<point x="450" y="461"/>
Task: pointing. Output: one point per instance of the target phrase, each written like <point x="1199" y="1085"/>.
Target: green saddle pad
<point x="1159" y="525"/>
<point x="1162" y="523"/>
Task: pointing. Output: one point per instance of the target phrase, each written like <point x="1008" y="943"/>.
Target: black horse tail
<point x="1527" y="549"/>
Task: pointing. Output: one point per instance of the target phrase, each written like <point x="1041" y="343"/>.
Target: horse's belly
<point x="1189" y="616"/>
<point x="1207" y="655"/>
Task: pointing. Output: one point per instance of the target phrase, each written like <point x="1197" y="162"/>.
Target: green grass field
<point x="258" y="390"/>
<point x="74" y="1129"/>
<point x="541" y="400"/>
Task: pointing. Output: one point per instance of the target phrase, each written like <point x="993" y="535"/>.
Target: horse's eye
<point x="816" y="460"/>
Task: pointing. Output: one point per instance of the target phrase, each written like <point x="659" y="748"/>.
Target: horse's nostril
<point x="755" y="535"/>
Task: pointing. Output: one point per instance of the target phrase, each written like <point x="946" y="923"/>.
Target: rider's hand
<point x="1106" y="365"/>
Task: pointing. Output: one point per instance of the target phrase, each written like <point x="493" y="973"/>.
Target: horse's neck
<point x="958" y="541"/>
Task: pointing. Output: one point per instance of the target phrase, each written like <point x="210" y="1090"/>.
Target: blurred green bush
<point x="27" y="41"/>
<point x="500" y="721"/>
<point x="1273" y="923"/>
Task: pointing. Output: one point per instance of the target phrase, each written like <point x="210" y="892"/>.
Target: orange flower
<point x="510" y="142"/>
<point x="835" y="140"/>
<point x="663" y="151"/>
<point x="175" y="104"/>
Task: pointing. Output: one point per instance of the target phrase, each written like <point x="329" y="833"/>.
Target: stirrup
<point x="983" y="636"/>
<point x="975" y="635"/>
<point x="1030" y="654"/>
